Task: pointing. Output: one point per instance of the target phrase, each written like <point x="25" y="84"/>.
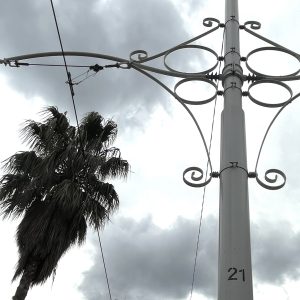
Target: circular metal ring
<point x="197" y="102"/>
<point x="271" y="49"/>
<point x="191" y="47"/>
<point x="265" y="104"/>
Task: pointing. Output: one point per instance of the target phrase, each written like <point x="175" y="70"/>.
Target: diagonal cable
<point x="80" y="140"/>
<point x="66" y="66"/>
<point x="206" y="174"/>
<point x="107" y="281"/>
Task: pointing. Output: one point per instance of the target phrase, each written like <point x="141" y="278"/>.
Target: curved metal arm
<point x="143" y="55"/>
<point x="272" y="171"/>
<point x="136" y="60"/>
<point x="255" y="26"/>
<point x="194" y="180"/>
<point x="58" y="53"/>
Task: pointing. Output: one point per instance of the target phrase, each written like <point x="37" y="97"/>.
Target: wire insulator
<point x="96" y="68"/>
<point x="252" y="174"/>
<point x="213" y="76"/>
<point x="215" y="174"/>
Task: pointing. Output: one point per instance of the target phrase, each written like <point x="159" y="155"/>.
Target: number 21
<point x="233" y="274"/>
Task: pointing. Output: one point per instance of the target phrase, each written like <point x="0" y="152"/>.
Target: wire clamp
<point x="215" y="174"/>
<point x="252" y="174"/>
<point x="96" y="68"/>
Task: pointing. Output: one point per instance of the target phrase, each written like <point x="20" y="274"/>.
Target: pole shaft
<point x="235" y="271"/>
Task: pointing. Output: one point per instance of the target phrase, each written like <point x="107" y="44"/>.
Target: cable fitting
<point x="215" y="174"/>
<point x="96" y="68"/>
<point x="252" y="78"/>
<point x="245" y="94"/>
<point x="252" y="175"/>
<point x="220" y="93"/>
<point x="117" y="65"/>
<point x="212" y="76"/>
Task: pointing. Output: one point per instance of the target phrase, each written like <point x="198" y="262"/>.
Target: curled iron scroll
<point x="208" y="22"/>
<point x="253" y="24"/>
<point x="141" y="55"/>
<point x="274" y="180"/>
<point x="196" y="175"/>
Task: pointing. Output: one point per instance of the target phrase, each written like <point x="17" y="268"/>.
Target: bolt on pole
<point x="234" y="270"/>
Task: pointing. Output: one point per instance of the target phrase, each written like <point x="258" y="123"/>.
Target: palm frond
<point x="15" y="196"/>
<point x="114" y="167"/>
<point x="24" y="162"/>
<point x="110" y="132"/>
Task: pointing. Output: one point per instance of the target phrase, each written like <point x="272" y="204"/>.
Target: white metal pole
<point x="235" y="271"/>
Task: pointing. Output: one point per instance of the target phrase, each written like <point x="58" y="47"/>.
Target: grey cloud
<point x="109" y="27"/>
<point x="276" y="252"/>
<point x="147" y="262"/>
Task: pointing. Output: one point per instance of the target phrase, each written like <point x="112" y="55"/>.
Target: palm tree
<point x="59" y="188"/>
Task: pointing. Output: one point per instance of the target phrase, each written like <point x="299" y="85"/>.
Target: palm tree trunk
<point x="25" y="282"/>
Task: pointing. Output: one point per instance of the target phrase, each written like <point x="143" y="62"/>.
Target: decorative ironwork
<point x="191" y="47"/>
<point x="253" y="24"/>
<point x="196" y="102"/>
<point x="279" y="49"/>
<point x="139" y="60"/>
<point x="274" y="180"/>
<point x="265" y="104"/>
<point x="195" y="179"/>
<point x="272" y="171"/>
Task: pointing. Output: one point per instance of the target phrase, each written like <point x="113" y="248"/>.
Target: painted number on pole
<point x="235" y="274"/>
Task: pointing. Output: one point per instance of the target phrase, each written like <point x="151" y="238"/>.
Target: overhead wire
<point x="18" y="64"/>
<point x="70" y="83"/>
<point x="206" y="174"/>
<point x="96" y="68"/>
<point x="65" y="64"/>
<point x="107" y="281"/>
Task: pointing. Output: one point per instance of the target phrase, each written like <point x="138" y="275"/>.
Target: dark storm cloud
<point x="276" y="252"/>
<point x="110" y="27"/>
<point x="147" y="262"/>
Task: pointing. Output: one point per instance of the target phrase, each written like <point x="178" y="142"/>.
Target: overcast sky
<point x="149" y="245"/>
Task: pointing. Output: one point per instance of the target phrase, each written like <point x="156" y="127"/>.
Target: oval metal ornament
<point x="196" y="102"/>
<point x="190" y="47"/>
<point x="266" y="104"/>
